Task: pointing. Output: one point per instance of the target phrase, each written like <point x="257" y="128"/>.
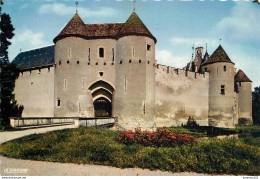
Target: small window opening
<point x="78" y="62"/>
<point x="101" y="52"/>
<point x="206" y="69"/>
<point x="101" y="73"/>
<point x="225" y="68"/>
<point x="58" y="102"/>
<point x="222" y="90"/>
<point x="39" y="71"/>
<point x="30" y="72"/>
<point x="59" y="62"/>
<point x="22" y="73"/>
<point x="48" y="69"/>
<point x="149" y="47"/>
<point x="68" y="61"/>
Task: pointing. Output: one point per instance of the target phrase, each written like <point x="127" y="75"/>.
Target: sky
<point x="177" y="25"/>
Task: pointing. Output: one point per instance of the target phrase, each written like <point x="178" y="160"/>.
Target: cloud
<point x="35" y="39"/>
<point x="166" y="57"/>
<point x="242" y="24"/>
<point x="62" y="9"/>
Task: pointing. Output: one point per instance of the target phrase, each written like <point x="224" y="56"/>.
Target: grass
<point x="97" y="146"/>
<point x="203" y="131"/>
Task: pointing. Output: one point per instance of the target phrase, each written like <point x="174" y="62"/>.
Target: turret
<point x="244" y="89"/>
<point x="135" y="75"/>
<point x="221" y="88"/>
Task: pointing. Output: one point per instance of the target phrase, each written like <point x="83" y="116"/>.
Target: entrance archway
<point x="102" y="107"/>
<point x="101" y="92"/>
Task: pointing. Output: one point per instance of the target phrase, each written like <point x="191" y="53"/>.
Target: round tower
<point x="72" y="99"/>
<point x="221" y="88"/>
<point x="244" y="98"/>
<point x="135" y="76"/>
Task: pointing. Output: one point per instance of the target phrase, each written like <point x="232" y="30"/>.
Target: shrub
<point x="160" y="138"/>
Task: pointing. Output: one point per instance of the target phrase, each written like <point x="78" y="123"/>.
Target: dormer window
<point x="101" y="52"/>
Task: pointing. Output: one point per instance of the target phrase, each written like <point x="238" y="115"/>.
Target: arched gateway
<point x="102" y="92"/>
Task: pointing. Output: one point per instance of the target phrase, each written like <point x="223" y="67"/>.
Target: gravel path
<point x="18" y="167"/>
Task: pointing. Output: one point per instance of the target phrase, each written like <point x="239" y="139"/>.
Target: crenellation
<point x="111" y="75"/>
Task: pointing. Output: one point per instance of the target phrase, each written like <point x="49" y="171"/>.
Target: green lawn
<point x="203" y="131"/>
<point x="97" y="146"/>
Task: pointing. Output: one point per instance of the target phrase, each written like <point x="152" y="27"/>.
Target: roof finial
<point x="220" y="41"/>
<point x="192" y="51"/>
<point x="76" y="3"/>
<point x="134" y="1"/>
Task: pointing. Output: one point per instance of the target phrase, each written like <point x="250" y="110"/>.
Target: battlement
<point x="180" y="72"/>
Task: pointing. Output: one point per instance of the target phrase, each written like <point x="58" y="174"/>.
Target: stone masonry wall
<point x="180" y="94"/>
<point x="35" y="91"/>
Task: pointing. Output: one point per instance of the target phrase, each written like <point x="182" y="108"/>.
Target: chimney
<point x="199" y="51"/>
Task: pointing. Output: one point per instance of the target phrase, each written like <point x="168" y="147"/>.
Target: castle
<point x="98" y="70"/>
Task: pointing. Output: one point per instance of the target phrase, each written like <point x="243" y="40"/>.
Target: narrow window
<point x="58" y="102"/>
<point x="69" y="53"/>
<point x="79" y="108"/>
<point x="100" y="73"/>
<point x="113" y="56"/>
<point x="101" y="52"/>
<point x="65" y="85"/>
<point x="39" y="71"/>
<point x="30" y="72"/>
<point x="59" y="62"/>
<point x="225" y="68"/>
<point x="83" y="83"/>
<point x="206" y="69"/>
<point x="88" y="55"/>
<point x="222" y="90"/>
<point x="148" y="47"/>
<point x="22" y="73"/>
<point x="125" y="84"/>
<point x="48" y="69"/>
<point x="68" y="61"/>
<point x="78" y="62"/>
<point x="144" y="107"/>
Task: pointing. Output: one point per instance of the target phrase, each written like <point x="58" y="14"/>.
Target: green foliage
<point x="8" y="73"/>
<point x="256" y="105"/>
<point x="97" y="146"/>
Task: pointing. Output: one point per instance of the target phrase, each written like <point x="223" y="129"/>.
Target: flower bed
<point x="160" y="138"/>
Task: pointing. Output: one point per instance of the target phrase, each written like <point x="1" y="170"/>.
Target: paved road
<point x="17" y="167"/>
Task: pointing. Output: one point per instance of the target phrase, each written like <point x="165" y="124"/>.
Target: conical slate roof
<point x="135" y="26"/>
<point x="241" y="77"/>
<point x="75" y="27"/>
<point x="219" y="55"/>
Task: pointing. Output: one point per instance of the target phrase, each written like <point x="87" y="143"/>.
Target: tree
<point x="8" y="71"/>
<point x="256" y="105"/>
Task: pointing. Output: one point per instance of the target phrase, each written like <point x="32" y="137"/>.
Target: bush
<point x="160" y="138"/>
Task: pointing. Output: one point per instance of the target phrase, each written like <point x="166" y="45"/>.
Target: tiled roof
<point x="135" y="26"/>
<point x="241" y="77"/>
<point x="77" y="28"/>
<point x="219" y="55"/>
<point x="35" y="58"/>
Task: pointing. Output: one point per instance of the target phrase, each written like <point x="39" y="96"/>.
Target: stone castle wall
<point x="180" y="94"/>
<point x="34" y="90"/>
